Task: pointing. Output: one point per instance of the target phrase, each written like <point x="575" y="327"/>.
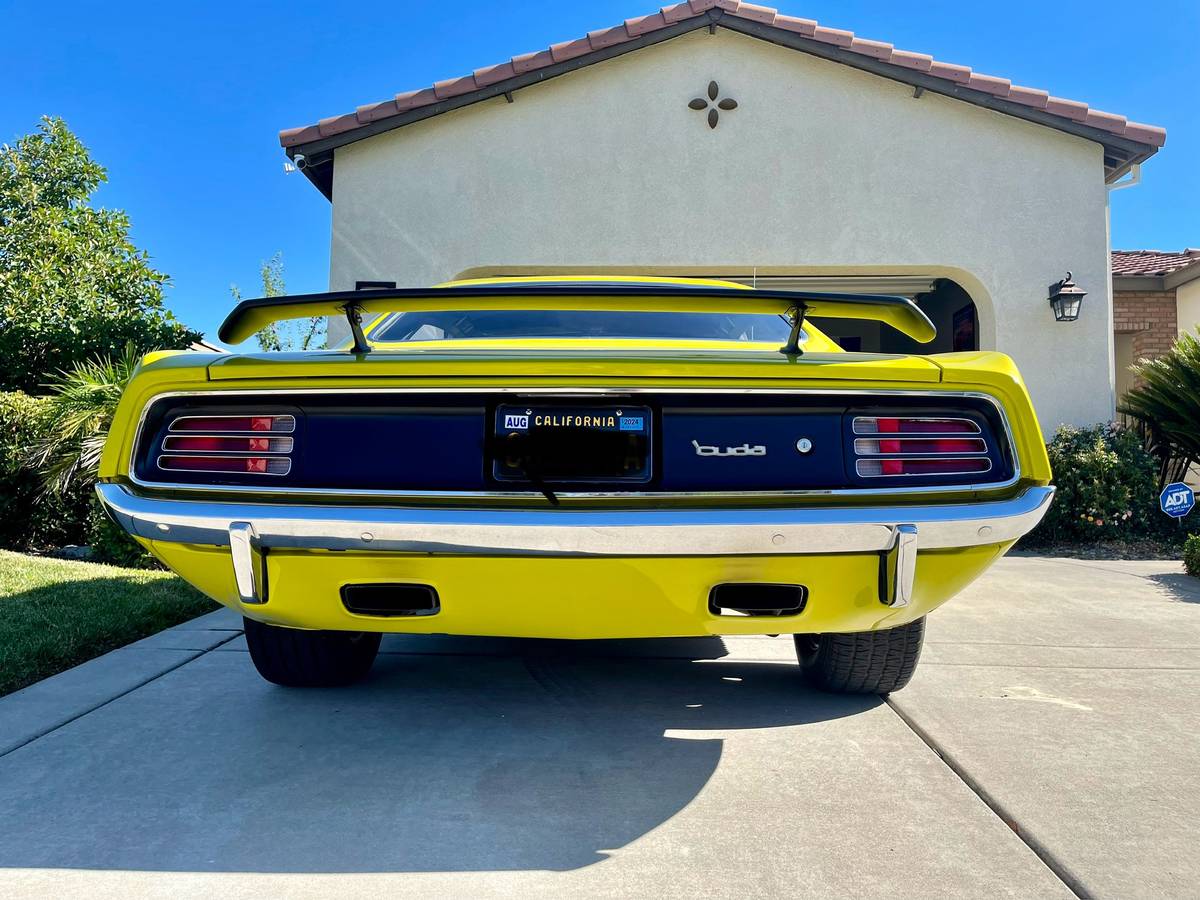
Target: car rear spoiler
<point x="251" y="316"/>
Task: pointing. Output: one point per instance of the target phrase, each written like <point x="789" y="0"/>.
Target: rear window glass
<point x="443" y="325"/>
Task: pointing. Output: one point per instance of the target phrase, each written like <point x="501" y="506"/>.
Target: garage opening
<point x="947" y="304"/>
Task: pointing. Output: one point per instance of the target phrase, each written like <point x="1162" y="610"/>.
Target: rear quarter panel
<point x="996" y="374"/>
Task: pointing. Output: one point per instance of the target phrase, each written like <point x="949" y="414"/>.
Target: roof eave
<point x="1137" y="282"/>
<point x="1188" y="273"/>
<point x="319" y="153"/>
<point x="1120" y="153"/>
<point x="1157" y="281"/>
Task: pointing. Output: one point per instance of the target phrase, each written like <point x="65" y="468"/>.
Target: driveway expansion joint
<point x="1055" y="865"/>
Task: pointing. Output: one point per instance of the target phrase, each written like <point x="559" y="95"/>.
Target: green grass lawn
<point x="56" y="613"/>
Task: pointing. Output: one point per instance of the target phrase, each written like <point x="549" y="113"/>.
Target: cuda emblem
<point x="743" y="450"/>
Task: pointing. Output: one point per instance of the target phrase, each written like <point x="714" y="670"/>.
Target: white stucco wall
<point x="1187" y="296"/>
<point x="820" y="169"/>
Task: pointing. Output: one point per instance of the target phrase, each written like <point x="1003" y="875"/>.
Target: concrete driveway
<point x="1046" y="747"/>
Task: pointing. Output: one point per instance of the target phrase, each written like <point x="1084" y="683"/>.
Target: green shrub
<point x="66" y="455"/>
<point x="1191" y="555"/>
<point x="1107" y="486"/>
<point x="30" y="519"/>
<point x="21" y="420"/>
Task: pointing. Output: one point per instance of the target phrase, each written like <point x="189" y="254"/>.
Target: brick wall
<point x="1150" y="316"/>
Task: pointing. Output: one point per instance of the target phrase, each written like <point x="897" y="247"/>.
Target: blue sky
<point x="182" y="102"/>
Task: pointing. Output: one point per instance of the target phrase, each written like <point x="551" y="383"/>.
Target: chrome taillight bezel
<point x="286" y="421"/>
<point x="860" y="450"/>
<point x="859" y="427"/>
<point x="274" y="445"/>
<point x="283" y="467"/>
<point x="987" y="467"/>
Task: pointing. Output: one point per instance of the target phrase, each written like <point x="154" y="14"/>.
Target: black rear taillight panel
<point x="701" y="442"/>
<point x="339" y="442"/>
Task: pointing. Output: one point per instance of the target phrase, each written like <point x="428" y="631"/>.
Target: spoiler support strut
<point x="354" y="319"/>
<point x="795" y="316"/>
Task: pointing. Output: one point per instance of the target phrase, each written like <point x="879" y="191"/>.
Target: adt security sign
<point x="1177" y="500"/>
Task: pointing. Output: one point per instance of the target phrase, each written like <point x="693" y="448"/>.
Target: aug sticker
<point x="516" y="421"/>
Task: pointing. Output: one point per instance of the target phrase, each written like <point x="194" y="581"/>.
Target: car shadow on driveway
<point x="461" y="756"/>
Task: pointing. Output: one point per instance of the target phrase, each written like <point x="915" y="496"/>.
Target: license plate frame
<point x="561" y="443"/>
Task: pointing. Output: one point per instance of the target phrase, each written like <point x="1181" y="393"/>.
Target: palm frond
<point x="83" y="400"/>
<point x="1166" y="405"/>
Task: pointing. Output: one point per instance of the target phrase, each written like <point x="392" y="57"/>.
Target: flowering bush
<point x="1107" y="486"/>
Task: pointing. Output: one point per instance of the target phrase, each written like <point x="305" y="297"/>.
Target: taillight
<point x="235" y="424"/>
<point x="252" y="465"/>
<point x="869" y="468"/>
<point x="868" y="447"/>
<point x="233" y="445"/>
<point x="918" y="446"/>
<point x="913" y="425"/>
<point x="229" y="444"/>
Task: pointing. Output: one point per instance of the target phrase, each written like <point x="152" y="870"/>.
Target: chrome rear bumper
<point x="248" y="528"/>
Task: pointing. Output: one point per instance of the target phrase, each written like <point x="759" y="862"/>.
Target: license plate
<point x="572" y="444"/>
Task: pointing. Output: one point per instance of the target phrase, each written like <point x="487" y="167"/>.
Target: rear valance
<point x="251" y="316"/>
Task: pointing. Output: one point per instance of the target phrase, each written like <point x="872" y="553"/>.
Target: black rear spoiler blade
<point x="251" y="316"/>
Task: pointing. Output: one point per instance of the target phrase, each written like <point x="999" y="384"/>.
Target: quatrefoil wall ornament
<point x="712" y="104"/>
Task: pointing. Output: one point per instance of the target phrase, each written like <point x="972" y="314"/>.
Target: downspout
<point x="1134" y="179"/>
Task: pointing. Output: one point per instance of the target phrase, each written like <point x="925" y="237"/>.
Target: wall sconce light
<point x="1065" y="300"/>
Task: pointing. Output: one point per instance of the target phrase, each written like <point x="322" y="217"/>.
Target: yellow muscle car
<point x="578" y="458"/>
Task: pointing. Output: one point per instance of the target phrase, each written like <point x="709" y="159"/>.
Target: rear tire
<point x="866" y="662"/>
<point x="295" y="658"/>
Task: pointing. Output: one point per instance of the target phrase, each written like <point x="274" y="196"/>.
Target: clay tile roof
<point x="1152" y="262"/>
<point x="731" y="13"/>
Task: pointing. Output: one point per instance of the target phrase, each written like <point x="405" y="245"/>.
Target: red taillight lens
<point x="919" y="446"/>
<point x="229" y="444"/>
<point x="871" y="468"/>
<point x="913" y="425"/>
<point x="252" y="465"/>
<point x="871" y="447"/>
<point x="235" y="424"/>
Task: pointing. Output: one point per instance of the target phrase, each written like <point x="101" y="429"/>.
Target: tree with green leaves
<point x="290" y="335"/>
<point x="72" y="285"/>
